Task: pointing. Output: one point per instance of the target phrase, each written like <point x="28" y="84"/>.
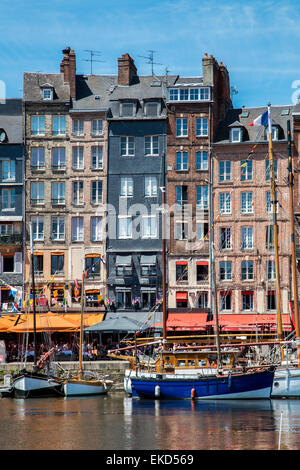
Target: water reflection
<point x="119" y="422"/>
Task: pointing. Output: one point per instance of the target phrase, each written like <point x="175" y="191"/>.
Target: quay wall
<point x="114" y="370"/>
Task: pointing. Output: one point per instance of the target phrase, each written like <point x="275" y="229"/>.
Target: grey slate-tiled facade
<point x="12" y="198"/>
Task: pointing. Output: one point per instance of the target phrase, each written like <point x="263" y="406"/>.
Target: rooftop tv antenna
<point x="91" y="59"/>
<point x="150" y="58"/>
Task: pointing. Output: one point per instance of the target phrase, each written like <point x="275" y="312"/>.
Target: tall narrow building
<point x="195" y="106"/>
<point x="12" y="204"/>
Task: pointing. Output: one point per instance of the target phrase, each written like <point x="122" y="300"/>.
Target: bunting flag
<point x="102" y="259"/>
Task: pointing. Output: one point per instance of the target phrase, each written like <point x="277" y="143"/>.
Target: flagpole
<point x="33" y="295"/>
<point x="275" y="228"/>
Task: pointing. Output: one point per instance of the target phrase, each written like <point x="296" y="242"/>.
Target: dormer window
<point x="127" y="109"/>
<point x="236" y="134"/>
<point x="151" y="109"/>
<point x="47" y="94"/>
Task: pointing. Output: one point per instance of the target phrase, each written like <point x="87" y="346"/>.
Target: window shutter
<point x="18" y="262"/>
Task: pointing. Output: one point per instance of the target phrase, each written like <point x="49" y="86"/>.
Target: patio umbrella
<point x="44" y="322"/>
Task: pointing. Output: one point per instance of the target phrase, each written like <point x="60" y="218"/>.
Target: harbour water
<point x="118" y="422"/>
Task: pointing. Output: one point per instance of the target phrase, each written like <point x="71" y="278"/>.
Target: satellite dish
<point x="2" y="136"/>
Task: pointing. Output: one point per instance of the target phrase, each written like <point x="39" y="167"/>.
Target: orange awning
<point x="44" y="322"/>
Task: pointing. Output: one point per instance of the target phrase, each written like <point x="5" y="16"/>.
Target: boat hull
<point x="249" y="385"/>
<point x="85" y="387"/>
<point x="31" y="386"/>
<point x="286" y="383"/>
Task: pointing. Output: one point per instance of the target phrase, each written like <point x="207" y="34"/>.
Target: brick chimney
<point x="68" y="68"/>
<point x="126" y="70"/>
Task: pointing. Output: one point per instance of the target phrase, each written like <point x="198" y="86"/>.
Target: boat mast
<point x="81" y="328"/>
<point x="33" y="296"/>
<point x="164" y="277"/>
<point x="275" y="227"/>
<point x="213" y="289"/>
<point x="293" y="246"/>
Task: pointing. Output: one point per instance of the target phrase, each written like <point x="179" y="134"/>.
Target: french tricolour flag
<point x="261" y="120"/>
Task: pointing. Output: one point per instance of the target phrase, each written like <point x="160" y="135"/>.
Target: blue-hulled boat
<point x="250" y="384"/>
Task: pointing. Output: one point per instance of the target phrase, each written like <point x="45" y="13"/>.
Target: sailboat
<point x="189" y="374"/>
<point x="80" y="384"/>
<point x="287" y="376"/>
<point x="34" y="383"/>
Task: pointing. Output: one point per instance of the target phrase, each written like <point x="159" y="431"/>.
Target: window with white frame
<point x="268" y="169"/>
<point x="189" y="94"/>
<point x="225" y="301"/>
<point x="225" y="238"/>
<point x="59" y="125"/>
<point x="8" y="199"/>
<point x="126" y="186"/>
<point x="203" y="299"/>
<point x="37" y="158"/>
<point x="57" y="228"/>
<point x="201" y="127"/>
<point x="77" y="229"/>
<point x="97" y="127"/>
<point x="225" y="203"/>
<point x="224" y="170"/>
<point x="77" y="193"/>
<point x="275" y="132"/>
<point x="47" y="94"/>
<point x="8" y="170"/>
<point x="58" y="158"/>
<point x="246" y="203"/>
<point x="236" y="134"/>
<point x="37" y="125"/>
<point x="97" y="157"/>
<point x="225" y="270"/>
<point x="271" y="300"/>
<point x="37" y="193"/>
<point x="77" y="158"/>
<point x="58" y="193"/>
<point x="96" y="229"/>
<point x="269" y="204"/>
<point x="127" y="146"/>
<point x="247" y="300"/>
<point x="78" y="127"/>
<point x="247" y="273"/>
<point x="149" y="226"/>
<point x="181" y="230"/>
<point x="151" y="109"/>
<point x="269" y="237"/>
<point x="181" y="161"/>
<point x="124" y="226"/>
<point x="181" y="196"/>
<point x="202" y="160"/>
<point x="271" y="273"/>
<point x="151" y="145"/>
<point x="202" y="197"/>
<point x="150" y="186"/>
<point x="246" y="170"/>
<point x="247" y="238"/>
<point x="127" y="109"/>
<point x="37" y="224"/>
<point x="181" y="127"/>
<point x="97" y="193"/>
<point x="201" y="230"/>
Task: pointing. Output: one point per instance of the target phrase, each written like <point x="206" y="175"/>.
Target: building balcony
<point x="11" y="239"/>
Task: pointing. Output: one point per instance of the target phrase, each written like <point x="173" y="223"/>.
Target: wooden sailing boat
<point x="186" y="374"/>
<point x="79" y="385"/>
<point x="35" y="383"/>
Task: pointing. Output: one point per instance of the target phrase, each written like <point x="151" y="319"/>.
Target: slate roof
<point x="253" y="133"/>
<point x="34" y="81"/>
<point x="11" y="120"/>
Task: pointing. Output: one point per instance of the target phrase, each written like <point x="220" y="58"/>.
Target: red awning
<point x="184" y="263"/>
<point x="202" y="263"/>
<point x="227" y="322"/>
<point x="181" y="296"/>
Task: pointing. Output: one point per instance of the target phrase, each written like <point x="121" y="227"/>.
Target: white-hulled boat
<point x="35" y="385"/>
<point x="76" y="387"/>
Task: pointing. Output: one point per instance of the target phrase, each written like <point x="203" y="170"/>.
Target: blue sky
<point x="258" y="41"/>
